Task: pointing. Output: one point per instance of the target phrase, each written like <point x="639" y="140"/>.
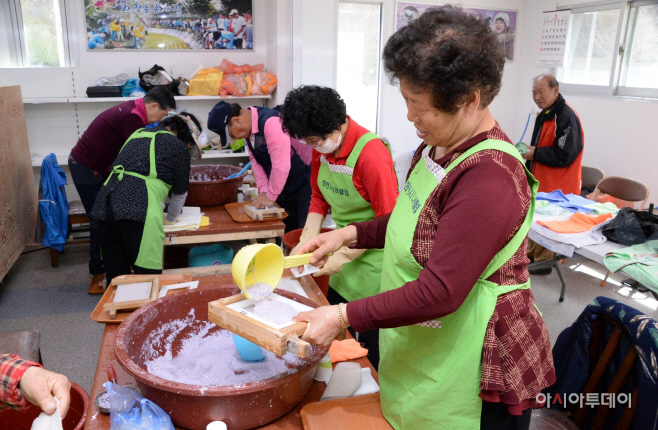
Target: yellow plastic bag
<point x="206" y="83"/>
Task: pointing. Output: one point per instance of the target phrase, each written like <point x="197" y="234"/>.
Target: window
<point x="640" y="68"/>
<point x="357" y="81"/>
<point x="611" y="49"/>
<point x="590" y="46"/>
<point x="35" y="34"/>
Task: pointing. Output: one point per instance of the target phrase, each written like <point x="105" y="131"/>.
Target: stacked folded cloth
<point x="566" y="222"/>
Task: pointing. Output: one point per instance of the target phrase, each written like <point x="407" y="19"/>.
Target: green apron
<point x="361" y="277"/>
<point x="430" y="373"/>
<point x="152" y="245"/>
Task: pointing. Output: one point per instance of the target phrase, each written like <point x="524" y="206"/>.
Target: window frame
<point x="620" y="53"/>
<point x="625" y="51"/>
<point x="381" y="5"/>
<point x="15" y="31"/>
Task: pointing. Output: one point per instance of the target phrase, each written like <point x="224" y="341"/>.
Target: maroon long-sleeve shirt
<point x="101" y="142"/>
<point x="468" y="218"/>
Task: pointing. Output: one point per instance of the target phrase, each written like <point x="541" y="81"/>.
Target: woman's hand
<point x="324" y="244"/>
<point x="323" y="325"/>
<point x="261" y="201"/>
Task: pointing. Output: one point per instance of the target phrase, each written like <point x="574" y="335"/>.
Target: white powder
<point x="207" y="356"/>
<point x="104" y="400"/>
<point x="258" y="291"/>
<point x="276" y="312"/>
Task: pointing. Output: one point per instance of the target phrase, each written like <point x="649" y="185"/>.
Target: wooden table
<point x="222" y="228"/>
<point x="292" y="420"/>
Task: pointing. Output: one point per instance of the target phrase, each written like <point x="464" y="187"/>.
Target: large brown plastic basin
<point x="214" y="191"/>
<point x="191" y="406"/>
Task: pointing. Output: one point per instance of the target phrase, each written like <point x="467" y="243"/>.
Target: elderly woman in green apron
<point x="130" y="205"/>
<point x="462" y="343"/>
<point x="352" y="174"/>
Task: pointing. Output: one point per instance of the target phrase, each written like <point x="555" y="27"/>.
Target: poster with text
<point x="169" y="24"/>
<point x="554" y="30"/>
<point x="502" y="22"/>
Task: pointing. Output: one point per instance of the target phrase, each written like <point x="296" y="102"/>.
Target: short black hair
<point x="311" y="110"/>
<point x="236" y="110"/>
<point x="177" y="124"/>
<point x="162" y="96"/>
<point x="552" y="80"/>
<point x="450" y="53"/>
<point x="105" y="33"/>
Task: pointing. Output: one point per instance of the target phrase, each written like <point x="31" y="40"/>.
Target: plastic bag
<point x="130" y="411"/>
<point x="114" y="81"/>
<point x="228" y="67"/>
<point x="205" y="83"/>
<point x="131" y="89"/>
<point x="631" y="227"/>
<point x="263" y="83"/>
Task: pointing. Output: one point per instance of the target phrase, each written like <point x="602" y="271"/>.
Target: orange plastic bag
<point x="228" y="67"/>
<point x="264" y="83"/>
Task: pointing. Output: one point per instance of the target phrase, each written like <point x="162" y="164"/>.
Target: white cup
<point x="323" y="371"/>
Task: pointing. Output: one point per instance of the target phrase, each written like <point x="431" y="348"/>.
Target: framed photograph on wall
<point x="169" y="24"/>
<point x="502" y="22"/>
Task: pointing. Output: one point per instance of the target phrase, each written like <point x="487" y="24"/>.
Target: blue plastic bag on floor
<point x="130" y="411"/>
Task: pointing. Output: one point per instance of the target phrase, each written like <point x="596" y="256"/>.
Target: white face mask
<point x="329" y="146"/>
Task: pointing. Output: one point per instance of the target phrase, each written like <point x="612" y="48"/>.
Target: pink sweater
<point x="278" y="146"/>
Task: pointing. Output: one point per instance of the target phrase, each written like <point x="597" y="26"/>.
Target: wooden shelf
<point x="123" y="99"/>
<point x="37" y="159"/>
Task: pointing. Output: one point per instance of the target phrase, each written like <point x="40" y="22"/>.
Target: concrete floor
<point x="55" y="302"/>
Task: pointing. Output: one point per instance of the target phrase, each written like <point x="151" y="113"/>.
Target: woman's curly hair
<point x="311" y="110"/>
<point x="450" y="53"/>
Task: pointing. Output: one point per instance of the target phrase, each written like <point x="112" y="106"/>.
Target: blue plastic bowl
<point x="249" y="351"/>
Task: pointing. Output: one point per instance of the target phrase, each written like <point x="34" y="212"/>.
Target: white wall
<point x="619" y="135"/>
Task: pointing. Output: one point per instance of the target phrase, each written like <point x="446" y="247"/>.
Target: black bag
<point x="172" y="86"/>
<point x="631" y="227"/>
<point x="104" y="91"/>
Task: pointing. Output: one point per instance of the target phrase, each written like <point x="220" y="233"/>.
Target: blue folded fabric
<point x="569" y="202"/>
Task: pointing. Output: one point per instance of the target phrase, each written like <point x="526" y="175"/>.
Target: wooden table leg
<point x="54" y="260"/>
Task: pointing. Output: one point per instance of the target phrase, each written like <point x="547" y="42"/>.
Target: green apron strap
<point x="358" y="147"/>
<point x="513" y="245"/>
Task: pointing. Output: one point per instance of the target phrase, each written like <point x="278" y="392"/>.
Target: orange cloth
<point x="607" y="198"/>
<point x="348" y="349"/>
<point x="578" y="223"/>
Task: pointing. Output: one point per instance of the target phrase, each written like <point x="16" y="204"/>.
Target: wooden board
<point x="279" y="341"/>
<point x="362" y="412"/>
<point x="274" y="211"/>
<point x="236" y="210"/>
<point x="18" y="198"/>
<point x="101" y="313"/>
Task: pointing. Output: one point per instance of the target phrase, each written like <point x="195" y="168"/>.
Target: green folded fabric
<point x="639" y="261"/>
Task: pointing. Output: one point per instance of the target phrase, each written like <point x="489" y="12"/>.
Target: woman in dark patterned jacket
<point x="129" y="207"/>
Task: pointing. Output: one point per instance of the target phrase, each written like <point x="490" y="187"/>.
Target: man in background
<point x="238" y="24"/>
<point x="556" y="151"/>
<point x="91" y="158"/>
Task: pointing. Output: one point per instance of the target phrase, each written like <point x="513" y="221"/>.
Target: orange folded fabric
<point x="348" y="349"/>
<point x="578" y="223"/>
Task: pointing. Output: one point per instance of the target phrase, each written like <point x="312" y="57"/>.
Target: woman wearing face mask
<point x="129" y="206"/>
<point x="281" y="165"/>
<point x="352" y="175"/>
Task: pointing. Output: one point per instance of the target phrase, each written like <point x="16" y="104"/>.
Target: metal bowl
<point x="107" y="410"/>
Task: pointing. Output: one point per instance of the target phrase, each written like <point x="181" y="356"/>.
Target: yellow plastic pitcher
<point x="263" y="263"/>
